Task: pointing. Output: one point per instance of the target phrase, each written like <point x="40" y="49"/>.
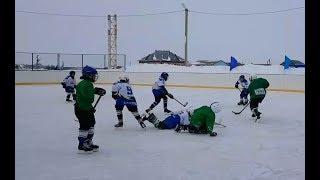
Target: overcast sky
<point x="252" y="38"/>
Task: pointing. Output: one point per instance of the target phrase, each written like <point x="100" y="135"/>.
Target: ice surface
<point x="46" y="139"/>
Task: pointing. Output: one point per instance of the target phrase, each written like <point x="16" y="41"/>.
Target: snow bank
<point x="250" y="68"/>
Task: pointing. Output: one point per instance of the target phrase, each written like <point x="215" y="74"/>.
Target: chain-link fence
<point x="64" y="61"/>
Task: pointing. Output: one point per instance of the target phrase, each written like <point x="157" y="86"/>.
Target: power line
<point x="162" y="13"/>
<point x="56" y="14"/>
<point x="151" y="14"/>
<point x="99" y="16"/>
<point x="246" y="14"/>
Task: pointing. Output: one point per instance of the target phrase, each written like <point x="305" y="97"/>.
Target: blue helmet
<point x="90" y="72"/>
<point x="164" y="75"/>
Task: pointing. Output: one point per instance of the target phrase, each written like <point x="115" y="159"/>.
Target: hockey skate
<point x="120" y="124"/>
<point x="142" y="124"/>
<point x="84" y="149"/>
<point x="94" y="147"/>
<point x="68" y="100"/>
<point x="167" y="111"/>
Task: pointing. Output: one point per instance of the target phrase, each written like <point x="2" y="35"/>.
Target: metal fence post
<point x="82" y="61"/>
<point x="104" y="61"/>
<point x="125" y="62"/>
<point x="31" y="61"/>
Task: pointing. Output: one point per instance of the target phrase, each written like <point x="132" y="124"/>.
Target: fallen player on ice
<point x="197" y="121"/>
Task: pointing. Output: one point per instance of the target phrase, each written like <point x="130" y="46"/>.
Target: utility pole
<point x="186" y="11"/>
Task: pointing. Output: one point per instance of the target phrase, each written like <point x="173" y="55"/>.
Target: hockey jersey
<point x="158" y="87"/>
<point x="257" y="88"/>
<point x="203" y="117"/>
<point x="244" y="83"/>
<point x="69" y="81"/>
<point x="178" y="118"/>
<point x="124" y="90"/>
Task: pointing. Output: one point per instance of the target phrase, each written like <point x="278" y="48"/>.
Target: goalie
<point x="196" y="121"/>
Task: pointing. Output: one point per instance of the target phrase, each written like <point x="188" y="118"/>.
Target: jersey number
<point x="129" y="90"/>
<point x="259" y="91"/>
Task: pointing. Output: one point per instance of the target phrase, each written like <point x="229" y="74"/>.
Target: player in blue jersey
<point x="244" y="92"/>
<point x="122" y="93"/>
<point x="160" y="92"/>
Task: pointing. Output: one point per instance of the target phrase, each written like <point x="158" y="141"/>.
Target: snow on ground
<point x="46" y="139"/>
<point x="249" y="68"/>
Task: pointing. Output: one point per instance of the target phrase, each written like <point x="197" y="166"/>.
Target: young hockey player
<point x="122" y="93"/>
<point x="198" y="121"/>
<point x="69" y="83"/>
<point x="244" y="93"/>
<point x="160" y="92"/>
<point x="84" y="110"/>
<point x="257" y="89"/>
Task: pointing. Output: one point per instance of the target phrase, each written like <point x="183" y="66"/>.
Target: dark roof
<point x="160" y="55"/>
<point x="295" y="63"/>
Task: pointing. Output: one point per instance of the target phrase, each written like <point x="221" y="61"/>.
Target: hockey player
<point x="160" y="92"/>
<point x="244" y="93"/>
<point x="197" y="121"/>
<point x="257" y="89"/>
<point x="122" y="93"/>
<point x="84" y="110"/>
<point x="69" y="84"/>
<point x="171" y="121"/>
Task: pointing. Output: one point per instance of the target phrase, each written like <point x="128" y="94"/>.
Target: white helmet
<point x="124" y="77"/>
<point x="253" y="77"/>
<point x="216" y="107"/>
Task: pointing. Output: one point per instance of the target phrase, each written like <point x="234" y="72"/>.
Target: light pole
<point x="186" y="11"/>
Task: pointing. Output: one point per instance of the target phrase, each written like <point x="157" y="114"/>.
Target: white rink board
<point x="290" y="82"/>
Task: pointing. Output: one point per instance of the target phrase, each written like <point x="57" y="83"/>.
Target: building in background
<point x="163" y="57"/>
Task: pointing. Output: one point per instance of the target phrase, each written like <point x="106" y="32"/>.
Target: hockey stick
<point x="184" y="105"/>
<point x="95" y="105"/>
<point x="242" y="109"/>
<point x="219" y="124"/>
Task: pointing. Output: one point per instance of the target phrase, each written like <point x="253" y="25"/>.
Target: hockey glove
<point x="115" y="95"/>
<point x="170" y="95"/>
<point x="236" y="86"/>
<point x="63" y="84"/>
<point x="99" y="91"/>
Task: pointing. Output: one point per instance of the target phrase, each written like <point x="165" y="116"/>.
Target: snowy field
<point x="247" y="68"/>
<point x="46" y="139"/>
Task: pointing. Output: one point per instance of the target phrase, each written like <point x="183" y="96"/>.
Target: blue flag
<point x="287" y="62"/>
<point x="233" y="63"/>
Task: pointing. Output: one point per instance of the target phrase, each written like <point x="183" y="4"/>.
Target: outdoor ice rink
<point x="271" y="149"/>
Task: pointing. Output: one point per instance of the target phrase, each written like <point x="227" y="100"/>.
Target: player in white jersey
<point x="245" y="91"/>
<point x="69" y="84"/>
<point x="160" y="92"/>
<point x="122" y="93"/>
<point x="170" y="122"/>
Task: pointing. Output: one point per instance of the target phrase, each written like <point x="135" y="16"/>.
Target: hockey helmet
<point x="90" y="73"/>
<point x="124" y="78"/>
<point x="164" y="75"/>
<point x="216" y="107"/>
